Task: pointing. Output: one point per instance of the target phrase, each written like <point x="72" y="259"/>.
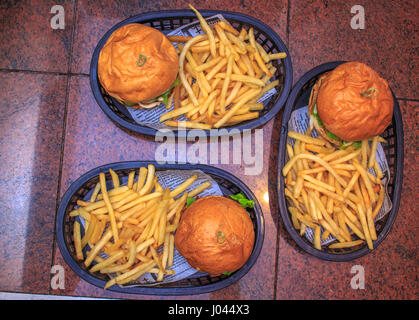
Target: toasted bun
<point x="313" y="121"/>
<point x="215" y="235"/>
<point x="346" y="112"/>
<point x="119" y="71"/>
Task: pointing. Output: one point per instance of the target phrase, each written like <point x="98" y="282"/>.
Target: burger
<point x="349" y="104"/>
<point x="138" y="66"/>
<point x="215" y="235"/>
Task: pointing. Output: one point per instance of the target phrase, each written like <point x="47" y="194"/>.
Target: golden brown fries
<point x="179" y="38"/>
<point x="332" y="192"/>
<point x="223" y="74"/>
<point x="77" y="240"/>
<point x="132" y="225"/>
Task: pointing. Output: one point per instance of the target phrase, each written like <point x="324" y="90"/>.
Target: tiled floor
<point x="31" y="126"/>
<point x="320" y="31"/>
<point x="52" y="131"/>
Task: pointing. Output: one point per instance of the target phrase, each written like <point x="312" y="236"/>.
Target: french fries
<point x="132" y="225"/>
<point x="217" y="71"/>
<point x="332" y="192"/>
<point x="77" y="240"/>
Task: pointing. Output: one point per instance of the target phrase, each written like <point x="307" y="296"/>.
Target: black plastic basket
<point x="393" y="149"/>
<point x="228" y="184"/>
<point x="170" y="20"/>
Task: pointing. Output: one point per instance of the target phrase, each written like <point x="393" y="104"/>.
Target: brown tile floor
<point x="320" y="31"/>
<point x="52" y="131"/>
<point x="31" y="126"/>
<point x="29" y="42"/>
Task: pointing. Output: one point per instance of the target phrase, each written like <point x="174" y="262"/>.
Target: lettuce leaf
<point x="316" y="115"/>
<point x="244" y="202"/>
<point x="130" y="104"/>
<point x="166" y="95"/>
<point x="346" y="144"/>
<point x="189" y="201"/>
<point x="332" y="136"/>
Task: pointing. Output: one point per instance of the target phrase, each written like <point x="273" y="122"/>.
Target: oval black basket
<point x="393" y="149"/>
<point x="170" y="20"/>
<point x="78" y="190"/>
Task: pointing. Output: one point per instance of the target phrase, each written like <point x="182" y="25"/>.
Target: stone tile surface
<point x="28" y="40"/>
<point x="31" y="125"/>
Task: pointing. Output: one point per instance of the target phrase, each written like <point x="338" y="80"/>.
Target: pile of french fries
<point x="332" y="192"/>
<point x="223" y="74"/>
<point x="132" y="226"/>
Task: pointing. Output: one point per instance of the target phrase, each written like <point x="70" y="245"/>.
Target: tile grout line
<point x="43" y="72"/>
<point x="407" y="99"/>
<point x="67" y="93"/>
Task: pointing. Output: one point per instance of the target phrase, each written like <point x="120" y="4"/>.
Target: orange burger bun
<point x="353" y="102"/>
<point x="137" y="63"/>
<point x="215" y="235"/>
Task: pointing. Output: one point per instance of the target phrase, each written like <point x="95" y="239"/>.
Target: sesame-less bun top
<point x="215" y="235"/>
<point x="354" y="102"/>
<point x="137" y="63"/>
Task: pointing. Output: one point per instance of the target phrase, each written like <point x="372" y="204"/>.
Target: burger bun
<point x="215" y="235"/>
<point x="137" y="63"/>
<point x="354" y="102"/>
